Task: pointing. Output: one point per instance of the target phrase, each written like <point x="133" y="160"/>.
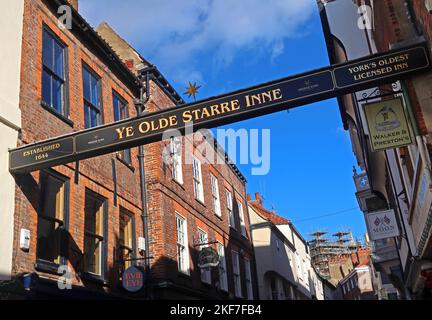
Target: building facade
<point x="394" y="178"/>
<point x="77" y="227"/>
<point x="196" y="198"/>
<point x="357" y="285"/>
<point x="81" y="219"/>
<point x="284" y="269"/>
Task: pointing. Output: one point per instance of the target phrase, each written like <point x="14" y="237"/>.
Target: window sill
<point x="206" y="284"/>
<point x="48" y="267"/>
<point x="180" y="184"/>
<point x="127" y="164"/>
<point x="93" y="278"/>
<point x="219" y="217"/>
<point x="184" y="274"/>
<point x="200" y="202"/>
<point x="58" y="115"/>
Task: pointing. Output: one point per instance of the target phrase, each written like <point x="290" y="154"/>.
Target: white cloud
<point x="173" y="34"/>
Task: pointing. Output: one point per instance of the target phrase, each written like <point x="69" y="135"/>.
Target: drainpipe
<point x="140" y="106"/>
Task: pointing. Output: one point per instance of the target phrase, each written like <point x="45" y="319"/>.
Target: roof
<point x="268" y="215"/>
<point x="98" y="46"/>
<point x="149" y="67"/>
<point x="361" y="266"/>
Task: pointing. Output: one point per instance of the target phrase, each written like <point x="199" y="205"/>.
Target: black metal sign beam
<point x="244" y="104"/>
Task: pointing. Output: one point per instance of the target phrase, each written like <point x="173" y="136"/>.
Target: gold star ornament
<point x="192" y="90"/>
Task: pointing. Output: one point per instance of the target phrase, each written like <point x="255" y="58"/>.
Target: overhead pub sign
<point x="387" y="124"/>
<point x="277" y="95"/>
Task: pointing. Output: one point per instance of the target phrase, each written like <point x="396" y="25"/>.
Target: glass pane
<point x="123" y="110"/>
<point x="94" y="91"/>
<point x="94" y="117"/>
<point x="57" y="91"/>
<point x="92" y="255"/>
<point x="93" y="215"/>
<point x="87" y="116"/>
<point x="46" y="88"/>
<point x="127" y="156"/>
<point x="86" y="84"/>
<point x="58" y="60"/>
<point x="116" y="108"/>
<point x="47" y="50"/>
<point x="51" y="188"/>
<point x="48" y="240"/>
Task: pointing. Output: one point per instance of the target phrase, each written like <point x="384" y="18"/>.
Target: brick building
<point x="396" y="178"/>
<point x="93" y="215"/>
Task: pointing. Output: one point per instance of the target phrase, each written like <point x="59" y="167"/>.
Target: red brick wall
<point x="166" y="197"/>
<point x="39" y="124"/>
<point x="424" y="18"/>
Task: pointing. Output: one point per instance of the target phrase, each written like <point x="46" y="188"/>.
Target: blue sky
<point x="226" y="45"/>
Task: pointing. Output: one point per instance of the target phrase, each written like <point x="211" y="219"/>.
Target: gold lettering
<point x="277" y="94"/>
<point x="173" y="121"/>
<point x="129" y="131"/>
<point x="225" y="107"/>
<point x="144" y="127"/>
<point x="120" y="132"/>
<point x="187" y="117"/>
<point x="235" y="105"/>
<point x="214" y="109"/>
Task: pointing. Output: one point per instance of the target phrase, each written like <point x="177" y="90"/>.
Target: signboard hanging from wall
<point x="387" y="124"/>
<point x="382" y="225"/>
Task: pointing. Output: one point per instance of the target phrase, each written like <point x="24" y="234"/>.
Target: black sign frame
<point x="266" y="98"/>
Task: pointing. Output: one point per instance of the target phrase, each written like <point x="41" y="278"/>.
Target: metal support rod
<point x="144" y="213"/>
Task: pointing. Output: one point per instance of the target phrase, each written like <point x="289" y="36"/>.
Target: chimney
<point x="258" y="198"/>
<point x="74" y="4"/>
<point x="248" y="197"/>
<point x="130" y="64"/>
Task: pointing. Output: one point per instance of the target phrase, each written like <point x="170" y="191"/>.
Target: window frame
<point x="125" y="212"/>
<point x="215" y="195"/>
<point x="87" y="103"/>
<point x="197" y="180"/>
<point x="104" y="254"/>
<point x="223" y="285"/>
<point x="65" y="109"/>
<point x="230" y="209"/>
<point x="177" y="161"/>
<point x="185" y="245"/>
<point x="124" y="155"/>
<point x="205" y="274"/>
<point x="42" y="264"/>
<point x="241" y="215"/>
<point x="248" y="278"/>
<point x="236" y="274"/>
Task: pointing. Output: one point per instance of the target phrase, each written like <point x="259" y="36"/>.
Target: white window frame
<point x="248" y="279"/>
<point x="197" y="178"/>
<point x="223" y="276"/>
<point x="229" y="200"/>
<point x="183" y="255"/>
<point x="215" y="195"/>
<point x="236" y="274"/>
<point x="242" y="219"/>
<point x="203" y="240"/>
<point x="176" y="156"/>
